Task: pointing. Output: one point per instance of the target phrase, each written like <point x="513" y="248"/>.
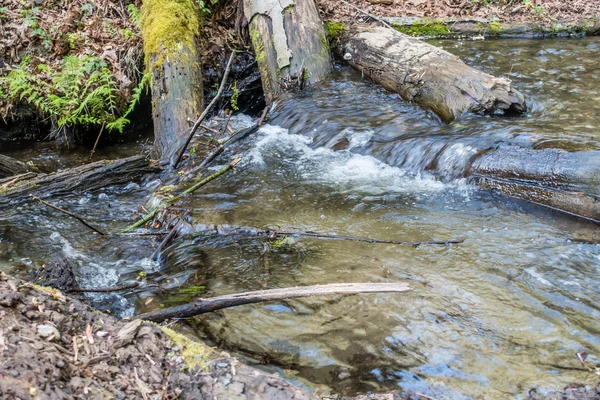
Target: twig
<point x="206" y="110"/>
<point x="69" y="214"/>
<point x="166" y="203"/>
<point x="168" y="238"/>
<point x="96" y="144"/>
<point x="263" y="116"/>
<point x="203" y="306"/>
<point x="366" y="13"/>
<point x="105" y="290"/>
<point x="366" y="240"/>
<point x="427" y="397"/>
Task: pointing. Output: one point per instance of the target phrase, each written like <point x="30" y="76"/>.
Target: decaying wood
<point x="426" y="75"/>
<point x="565" y="181"/>
<point x="9" y="166"/>
<point x="205" y="112"/>
<point x="83" y="221"/>
<point x="203" y="306"/>
<point x="289" y="41"/>
<point x="77" y="180"/>
<point x="141" y="222"/>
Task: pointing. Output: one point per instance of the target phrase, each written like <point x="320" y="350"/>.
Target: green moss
<point x="168" y="29"/>
<point x="495" y="28"/>
<point x="196" y="355"/>
<point x="334" y="30"/>
<point x="426" y="27"/>
<point x="288" y="8"/>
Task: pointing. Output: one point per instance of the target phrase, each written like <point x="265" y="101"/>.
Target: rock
<point x="48" y="331"/>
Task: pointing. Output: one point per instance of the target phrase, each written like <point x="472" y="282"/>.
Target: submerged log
<point x="170" y="30"/>
<point x="564" y="181"/>
<point x="81" y="179"/>
<point x="290" y="44"/>
<point x="9" y="166"/>
<point x="203" y="306"/>
<point x="424" y="74"/>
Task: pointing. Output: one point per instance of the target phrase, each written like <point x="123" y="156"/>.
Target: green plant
<point x="75" y="39"/>
<point x="234" y="97"/>
<point x="134" y="13"/>
<point x="127" y="33"/>
<point x="82" y="92"/>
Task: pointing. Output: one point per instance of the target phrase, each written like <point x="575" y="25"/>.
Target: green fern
<point x="83" y="92"/>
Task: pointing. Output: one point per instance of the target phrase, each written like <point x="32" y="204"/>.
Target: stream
<point x="493" y="317"/>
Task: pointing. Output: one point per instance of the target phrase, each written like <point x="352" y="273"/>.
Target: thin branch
<point x="366" y="240"/>
<point x="105" y="290"/>
<point x="169" y="237"/>
<point x="96" y="144"/>
<point x="366" y="13"/>
<point x="206" y="110"/>
<point x="166" y="203"/>
<point x="203" y="306"/>
<point x="69" y="214"/>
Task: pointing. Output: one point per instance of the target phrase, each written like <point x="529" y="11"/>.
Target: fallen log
<point x="9" y="166"/>
<point x="203" y="306"/>
<point x="564" y="181"/>
<point x="81" y="179"/>
<point x="290" y="44"/>
<point x="424" y="74"/>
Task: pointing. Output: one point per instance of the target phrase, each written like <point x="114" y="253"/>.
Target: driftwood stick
<point x="166" y="203"/>
<point x="206" y="110"/>
<point x="366" y="240"/>
<point x="367" y="14"/>
<point x="203" y="306"/>
<point x="70" y="214"/>
<point x="105" y="290"/>
<point x="96" y="144"/>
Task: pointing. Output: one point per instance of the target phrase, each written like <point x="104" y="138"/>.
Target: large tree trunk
<point x="170" y="30"/>
<point x="554" y="178"/>
<point x="426" y="75"/>
<point x="9" y="166"/>
<point x="76" y="180"/>
<point x="290" y="44"/>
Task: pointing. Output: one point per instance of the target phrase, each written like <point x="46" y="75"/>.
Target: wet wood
<point x="426" y="75"/>
<point x="290" y="45"/>
<point x="10" y="167"/>
<point x="565" y="181"/>
<point x="77" y="180"/>
<point x="203" y="306"/>
<point x="70" y="214"/>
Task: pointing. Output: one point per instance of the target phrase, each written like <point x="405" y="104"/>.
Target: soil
<point x="533" y="11"/>
<point x="56" y="347"/>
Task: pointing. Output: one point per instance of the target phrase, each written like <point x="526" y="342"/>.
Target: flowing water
<point x="493" y="317"/>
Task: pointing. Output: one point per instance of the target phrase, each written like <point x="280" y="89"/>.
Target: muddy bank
<point x="56" y="347"/>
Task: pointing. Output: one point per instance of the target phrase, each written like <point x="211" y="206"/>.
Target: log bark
<point x="564" y="181"/>
<point x="9" y="166"/>
<point x="76" y="180"/>
<point x="170" y="30"/>
<point x="203" y="306"/>
<point x="426" y="75"/>
<point x="290" y="44"/>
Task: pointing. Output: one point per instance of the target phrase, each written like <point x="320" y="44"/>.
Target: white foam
<point x="344" y="170"/>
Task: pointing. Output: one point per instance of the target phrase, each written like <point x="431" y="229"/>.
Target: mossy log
<point x="424" y="74"/>
<point x="170" y="30"/>
<point x="75" y="180"/>
<point x="9" y="166"/>
<point x="290" y="44"/>
<point x="568" y="182"/>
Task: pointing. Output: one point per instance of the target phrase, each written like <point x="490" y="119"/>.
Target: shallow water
<point x="501" y="313"/>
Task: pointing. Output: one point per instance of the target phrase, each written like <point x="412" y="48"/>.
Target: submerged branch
<point x="366" y="240"/>
<point x="105" y="290"/>
<point x="70" y="214"/>
<point x="203" y="306"/>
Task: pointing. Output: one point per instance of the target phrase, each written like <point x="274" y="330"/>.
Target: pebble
<point x="47" y="331"/>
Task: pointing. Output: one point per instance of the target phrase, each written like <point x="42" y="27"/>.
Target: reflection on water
<point x="501" y="313"/>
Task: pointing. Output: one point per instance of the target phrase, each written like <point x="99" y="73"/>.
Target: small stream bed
<point x="493" y="317"/>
